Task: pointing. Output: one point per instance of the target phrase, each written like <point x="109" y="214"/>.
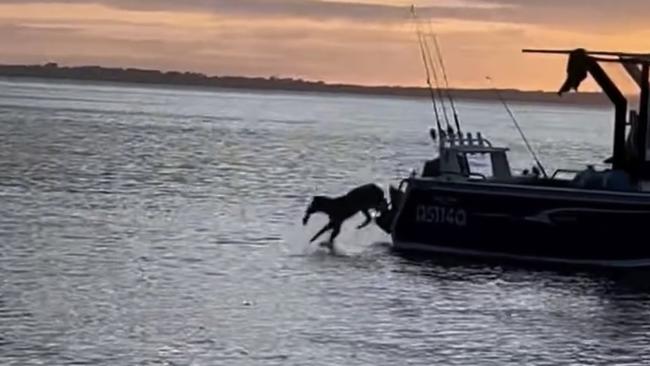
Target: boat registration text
<point x="441" y="215"/>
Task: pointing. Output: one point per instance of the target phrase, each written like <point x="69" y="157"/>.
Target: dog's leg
<point x="368" y="219"/>
<point x="335" y="232"/>
<point x="321" y="232"/>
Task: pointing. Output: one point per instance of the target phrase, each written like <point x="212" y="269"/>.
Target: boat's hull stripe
<point x="532" y="191"/>
<point x="409" y="246"/>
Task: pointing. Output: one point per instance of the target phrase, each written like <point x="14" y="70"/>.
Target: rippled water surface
<point x="144" y="226"/>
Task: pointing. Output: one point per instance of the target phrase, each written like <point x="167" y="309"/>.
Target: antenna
<point x="521" y="132"/>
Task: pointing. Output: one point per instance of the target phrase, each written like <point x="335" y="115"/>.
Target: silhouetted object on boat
<point x="339" y="209"/>
<point x="577" y="71"/>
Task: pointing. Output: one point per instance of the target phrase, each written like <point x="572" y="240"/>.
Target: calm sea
<point x="154" y="226"/>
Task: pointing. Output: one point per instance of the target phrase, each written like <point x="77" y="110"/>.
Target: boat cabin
<point x="465" y="158"/>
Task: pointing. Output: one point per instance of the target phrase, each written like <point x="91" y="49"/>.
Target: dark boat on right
<point x="589" y="217"/>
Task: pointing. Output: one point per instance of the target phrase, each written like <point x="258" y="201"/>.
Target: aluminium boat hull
<point x="521" y="222"/>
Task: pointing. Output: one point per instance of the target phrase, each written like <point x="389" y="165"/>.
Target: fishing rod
<point x="443" y="70"/>
<point x="444" y="73"/>
<point x="431" y="70"/>
<point x="432" y="65"/>
<point x="516" y="123"/>
<point x="428" y="74"/>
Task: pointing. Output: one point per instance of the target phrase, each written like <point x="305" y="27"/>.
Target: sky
<point x="369" y="42"/>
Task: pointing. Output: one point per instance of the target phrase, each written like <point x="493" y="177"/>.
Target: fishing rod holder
<point x="459" y="139"/>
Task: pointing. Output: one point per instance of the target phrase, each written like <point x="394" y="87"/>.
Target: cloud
<point x="592" y="15"/>
<point x="231" y="50"/>
<point x="574" y="14"/>
<point x="336" y="55"/>
<point x="310" y="9"/>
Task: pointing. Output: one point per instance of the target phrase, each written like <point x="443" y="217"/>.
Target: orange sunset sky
<point x="354" y="41"/>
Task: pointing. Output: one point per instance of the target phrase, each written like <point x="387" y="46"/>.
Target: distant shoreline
<point x="190" y="79"/>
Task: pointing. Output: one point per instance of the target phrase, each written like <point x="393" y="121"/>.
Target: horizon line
<point x="277" y="78"/>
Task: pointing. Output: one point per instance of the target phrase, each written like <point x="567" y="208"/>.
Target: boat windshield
<point x="480" y="164"/>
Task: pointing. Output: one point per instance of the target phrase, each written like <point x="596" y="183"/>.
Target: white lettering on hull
<point x="441" y="215"/>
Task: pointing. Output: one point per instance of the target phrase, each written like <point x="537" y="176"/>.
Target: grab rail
<point x="564" y="171"/>
<point x="470" y="175"/>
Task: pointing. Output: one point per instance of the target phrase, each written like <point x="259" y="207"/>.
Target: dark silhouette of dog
<point x="339" y="209"/>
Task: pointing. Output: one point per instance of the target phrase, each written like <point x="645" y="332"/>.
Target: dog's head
<point x="314" y="206"/>
<point x="377" y="199"/>
<point x="383" y="205"/>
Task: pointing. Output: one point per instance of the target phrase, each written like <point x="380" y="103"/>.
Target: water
<point x="143" y="226"/>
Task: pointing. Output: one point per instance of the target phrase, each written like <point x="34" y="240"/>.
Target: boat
<point x="588" y="217"/>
